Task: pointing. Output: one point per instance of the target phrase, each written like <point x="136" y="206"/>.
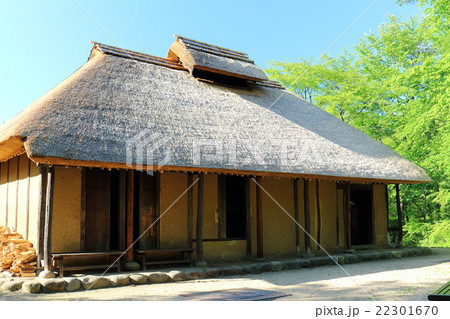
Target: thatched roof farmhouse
<point x="204" y="115"/>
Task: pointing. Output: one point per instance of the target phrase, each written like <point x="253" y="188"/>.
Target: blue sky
<point x="43" y="42"/>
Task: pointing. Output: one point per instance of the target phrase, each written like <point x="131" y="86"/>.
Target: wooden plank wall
<point x="19" y="196"/>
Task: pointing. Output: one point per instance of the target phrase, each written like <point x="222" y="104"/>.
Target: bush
<point x="438" y="235"/>
<point x="414" y="233"/>
<point x="435" y="234"/>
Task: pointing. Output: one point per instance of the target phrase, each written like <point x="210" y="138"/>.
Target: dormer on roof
<point x="200" y="56"/>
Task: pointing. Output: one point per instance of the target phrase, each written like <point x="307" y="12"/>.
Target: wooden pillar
<point x="43" y="170"/>
<point x="399" y="215"/>
<point x="307" y="216"/>
<point x="259" y="221"/>
<point x="130" y="213"/>
<point x="48" y="217"/>
<point x="199" y="235"/>
<point x="348" y="216"/>
<point x="248" y="216"/>
<point x="296" y="216"/>
<point x="190" y="209"/>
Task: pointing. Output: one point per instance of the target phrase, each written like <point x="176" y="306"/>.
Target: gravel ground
<point x="404" y="279"/>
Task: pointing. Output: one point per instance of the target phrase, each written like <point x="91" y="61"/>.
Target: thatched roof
<point x="261" y="129"/>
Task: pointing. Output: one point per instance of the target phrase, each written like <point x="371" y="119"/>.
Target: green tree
<point x="396" y="88"/>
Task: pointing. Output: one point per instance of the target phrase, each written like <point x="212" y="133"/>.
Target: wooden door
<point x="98" y="201"/>
<point x="147" y="211"/>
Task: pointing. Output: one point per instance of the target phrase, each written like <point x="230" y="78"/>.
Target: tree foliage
<point x="395" y="87"/>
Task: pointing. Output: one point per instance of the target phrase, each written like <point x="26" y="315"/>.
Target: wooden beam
<point x="399" y="214"/>
<point x="43" y="169"/>
<point x="319" y="222"/>
<point x="296" y="216"/>
<point x="248" y="213"/>
<point x="199" y="237"/>
<point x="348" y="216"/>
<point x="83" y="211"/>
<point x="307" y="215"/>
<point x="259" y="220"/>
<point x="190" y="209"/>
<point x="49" y="217"/>
<point x="130" y="213"/>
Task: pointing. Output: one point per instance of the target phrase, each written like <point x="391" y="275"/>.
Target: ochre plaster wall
<point x="173" y="224"/>
<point x="226" y="250"/>
<point x="23" y="196"/>
<point x="380" y="215"/>
<point x="34" y="199"/>
<point x="279" y="228"/>
<point x="66" y="210"/>
<point x="328" y="214"/>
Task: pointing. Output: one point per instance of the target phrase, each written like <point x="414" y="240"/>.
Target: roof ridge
<point x="144" y="57"/>
<point x="213" y="49"/>
<point x="243" y="54"/>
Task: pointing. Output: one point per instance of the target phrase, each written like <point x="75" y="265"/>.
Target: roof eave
<point x="50" y="160"/>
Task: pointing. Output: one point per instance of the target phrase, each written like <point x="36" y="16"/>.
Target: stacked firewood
<point x="17" y="255"/>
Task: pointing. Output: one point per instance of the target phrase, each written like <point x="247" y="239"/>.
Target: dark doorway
<point x="98" y="201"/>
<point x="115" y="207"/>
<point x="361" y="215"/>
<point x="104" y="206"/>
<point x="236" y="219"/>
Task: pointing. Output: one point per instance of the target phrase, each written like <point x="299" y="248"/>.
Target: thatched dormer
<point x="204" y="60"/>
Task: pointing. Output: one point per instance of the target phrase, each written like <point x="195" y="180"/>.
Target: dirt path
<point x="400" y="279"/>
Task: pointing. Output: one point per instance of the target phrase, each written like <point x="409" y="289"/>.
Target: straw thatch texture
<point x="92" y="114"/>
